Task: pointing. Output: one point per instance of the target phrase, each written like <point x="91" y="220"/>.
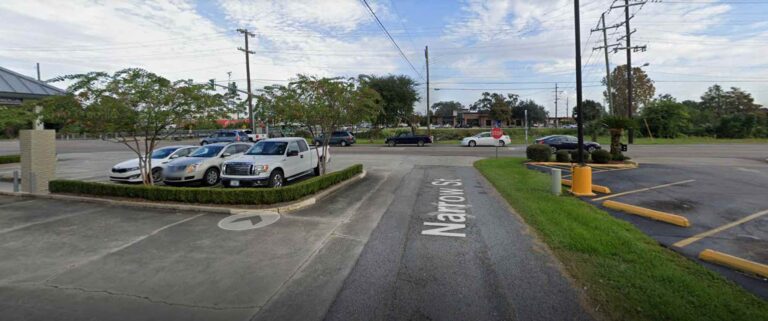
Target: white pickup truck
<point x="273" y="162"/>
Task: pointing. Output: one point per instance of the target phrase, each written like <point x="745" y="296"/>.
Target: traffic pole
<point x="582" y="174"/>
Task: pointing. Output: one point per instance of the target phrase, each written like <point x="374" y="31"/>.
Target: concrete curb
<point x="649" y="213"/>
<point x="733" y="262"/>
<point x="280" y="208"/>
<point x="629" y="164"/>
<point x="595" y="188"/>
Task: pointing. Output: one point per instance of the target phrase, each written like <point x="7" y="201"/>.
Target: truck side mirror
<point x="292" y="153"/>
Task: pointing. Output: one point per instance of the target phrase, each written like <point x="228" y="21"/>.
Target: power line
<point x="365" y="2"/>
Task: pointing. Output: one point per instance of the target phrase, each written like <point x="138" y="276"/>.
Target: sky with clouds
<point x="517" y="46"/>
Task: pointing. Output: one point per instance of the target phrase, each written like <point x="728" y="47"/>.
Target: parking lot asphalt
<point x="80" y="261"/>
<point x="710" y="197"/>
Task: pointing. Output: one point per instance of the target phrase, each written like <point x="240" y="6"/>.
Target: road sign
<point x="496" y="132"/>
<point x="242" y="222"/>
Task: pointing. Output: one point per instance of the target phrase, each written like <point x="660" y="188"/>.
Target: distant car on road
<point x="226" y="136"/>
<point x="570" y="126"/>
<point x="343" y="138"/>
<point x="566" y="142"/>
<point x="408" y="138"/>
<point x="203" y="165"/>
<point x="272" y="162"/>
<point x="128" y="171"/>
<point x="485" y="139"/>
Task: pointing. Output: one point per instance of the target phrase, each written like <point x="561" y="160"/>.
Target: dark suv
<point x="342" y="138"/>
<point x="225" y="136"/>
<point x="566" y="142"/>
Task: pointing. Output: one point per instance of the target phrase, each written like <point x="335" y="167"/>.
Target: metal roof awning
<point x="14" y="85"/>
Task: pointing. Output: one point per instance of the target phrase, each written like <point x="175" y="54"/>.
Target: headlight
<point x="131" y="169"/>
<point x="258" y="169"/>
<point x="192" y="167"/>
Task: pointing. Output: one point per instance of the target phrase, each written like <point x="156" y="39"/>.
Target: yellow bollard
<point x="582" y="181"/>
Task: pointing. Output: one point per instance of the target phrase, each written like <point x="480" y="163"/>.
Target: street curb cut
<point x="733" y="262"/>
<point x="284" y="208"/>
<point x="649" y="213"/>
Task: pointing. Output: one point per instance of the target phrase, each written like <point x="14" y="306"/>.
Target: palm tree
<point x="616" y="126"/>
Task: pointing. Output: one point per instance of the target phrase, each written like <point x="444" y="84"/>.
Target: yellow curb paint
<point x="643" y="190"/>
<point x="649" y="213"/>
<point x="733" y="262"/>
<point x="713" y="231"/>
<point x="595" y="188"/>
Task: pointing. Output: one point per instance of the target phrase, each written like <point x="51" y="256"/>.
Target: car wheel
<point x="276" y="179"/>
<point x="343" y="143"/>
<point x="420" y="143"/>
<point x="157" y="175"/>
<point x="591" y="149"/>
<point x="554" y="149"/>
<point x="317" y="170"/>
<point x="391" y="143"/>
<point x="472" y="143"/>
<point x="203" y="143"/>
<point x="318" y="143"/>
<point x="211" y="177"/>
<point x="502" y="143"/>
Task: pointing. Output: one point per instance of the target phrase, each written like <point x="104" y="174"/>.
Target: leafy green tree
<point x="665" y="117"/>
<point x="446" y="108"/>
<point x="498" y="106"/>
<point x="643" y="89"/>
<point x="398" y="95"/>
<point x="322" y="104"/>
<point x="139" y="107"/>
<point x="537" y="114"/>
<point x="592" y="111"/>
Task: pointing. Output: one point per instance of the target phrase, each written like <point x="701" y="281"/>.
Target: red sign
<point x="496" y="133"/>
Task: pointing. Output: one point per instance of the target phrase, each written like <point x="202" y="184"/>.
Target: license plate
<point x="234" y="183"/>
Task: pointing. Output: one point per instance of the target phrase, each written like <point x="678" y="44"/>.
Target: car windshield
<point x="268" y="148"/>
<point x="162" y="153"/>
<point x="207" y="151"/>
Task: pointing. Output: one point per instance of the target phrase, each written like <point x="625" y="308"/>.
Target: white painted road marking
<point x="450" y="208"/>
<point x="242" y="222"/>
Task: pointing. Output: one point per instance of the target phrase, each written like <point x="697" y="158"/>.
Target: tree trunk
<point x="615" y="141"/>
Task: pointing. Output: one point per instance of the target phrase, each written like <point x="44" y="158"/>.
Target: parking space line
<point x="642" y="190"/>
<point x="711" y="232"/>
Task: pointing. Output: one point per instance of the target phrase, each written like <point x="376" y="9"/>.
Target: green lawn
<point x="605" y="140"/>
<point x="626" y="273"/>
<point x="7" y="159"/>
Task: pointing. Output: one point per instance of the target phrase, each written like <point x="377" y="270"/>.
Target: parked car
<point x="273" y="162"/>
<point x="408" y="138"/>
<point x="566" y="142"/>
<point x="485" y="139"/>
<point x="343" y="138"/>
<point x="570" y="126"/>
<point x="129" y="172"/>
<point x="226" y="136"/>
<point x="203" y="165"/>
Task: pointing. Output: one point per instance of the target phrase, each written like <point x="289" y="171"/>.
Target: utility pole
<point x="247" y="34"/>
<point x="557" y="98"/>
<point x="605" y="46"/>
<point x="579" y="122"/>
<point x="629" y="49"/>
<point x="429" y="121"/>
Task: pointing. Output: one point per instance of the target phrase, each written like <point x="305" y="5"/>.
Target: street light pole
<point x="582" y="174"/>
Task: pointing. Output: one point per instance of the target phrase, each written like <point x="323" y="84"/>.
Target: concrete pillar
<point x="38" y="159"/>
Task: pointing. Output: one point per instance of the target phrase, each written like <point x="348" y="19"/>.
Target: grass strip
<point x="8" y="159"/>
<point x="231" y="196"/>
<point x="625" y="272"/>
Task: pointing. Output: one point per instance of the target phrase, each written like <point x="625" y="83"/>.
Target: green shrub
<point x="575" y="155"/>
<point x="618" y="157"/>
<point x="244" y="196"/>
<point x="7" y="159"/>
<point x="538" y="153"/>
<point x="601" y="156"/>
<point x="563" y="156"/>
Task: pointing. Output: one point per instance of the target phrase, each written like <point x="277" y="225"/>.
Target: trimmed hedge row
<point x="240" y="196"/>
<point x="7" y="159"/>
<point x="459" y="133"/>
